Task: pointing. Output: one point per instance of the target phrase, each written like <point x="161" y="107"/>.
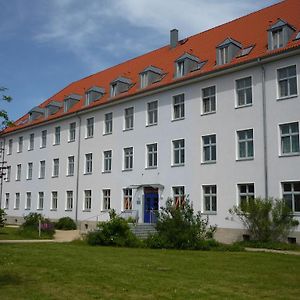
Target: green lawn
<point x="15" y="233"/>
<point x="77" y="271"/>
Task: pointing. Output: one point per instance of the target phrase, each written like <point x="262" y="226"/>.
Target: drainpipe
<point x="77" y="169"/>
<point x="265" y="142"/>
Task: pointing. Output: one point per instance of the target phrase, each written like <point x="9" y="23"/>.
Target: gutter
<point x="77" y="170"/>
<point x="178" y="83"/>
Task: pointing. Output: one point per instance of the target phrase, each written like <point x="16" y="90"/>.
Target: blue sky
<point x="47" y="44"/>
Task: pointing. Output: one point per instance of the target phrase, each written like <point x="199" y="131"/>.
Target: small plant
<point x="267" y="220"/>
<point x="65" y="223"/>
<point x="2" y="219"/>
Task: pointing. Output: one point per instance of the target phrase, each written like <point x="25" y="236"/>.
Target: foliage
<point x="180" y="228"/>
<point x="66" y="223"/>
<point x="5" y="122"/>
<point x="266" y="219"/>
<point x="2" y="219"/>
<point x="115" y="232"/>
<point x="269" y="245"/>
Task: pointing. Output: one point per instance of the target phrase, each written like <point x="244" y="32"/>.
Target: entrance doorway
<point x="150" y="204"/>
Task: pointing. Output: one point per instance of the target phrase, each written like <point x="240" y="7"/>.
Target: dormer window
<point x="35" y="113"/>
<point x="52" y="108"/>
<point x="93" y="94"/>
<point x="279" y="34"/>
<point x="120" y="85"/>
<point x="150" y="75"/>
<point x="186" y="64"/>
<point x="70" y="101"/>
<point x="227" y="50"/>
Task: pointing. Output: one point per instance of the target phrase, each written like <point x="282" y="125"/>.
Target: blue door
<point x="150" y="207"/>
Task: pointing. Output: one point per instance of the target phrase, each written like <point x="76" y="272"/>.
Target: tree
<point x="4" y="119"/>
<point x="267" y="220"/>
<point x="2" y="219"/>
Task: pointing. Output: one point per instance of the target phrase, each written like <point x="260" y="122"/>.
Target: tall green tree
<point x="4" y="119"/>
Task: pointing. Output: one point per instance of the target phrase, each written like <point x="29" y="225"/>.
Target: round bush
<point x="66" y="223"/>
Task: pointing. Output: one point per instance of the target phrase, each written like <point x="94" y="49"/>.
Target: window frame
<point x="178" y="198"/>
<point x="127" y="199"/>
<point x="20" y="144"/>
<point x="90" y="127"/>
<point x="17" y="201"/>
<point x="246" y="140"/>
<point x="281" y="152"/>
<point x="287" y="78"/>
<point x="72" y="132"/>
<point x="54" y="200"/>
<point x="151" y="156"/>
<point x="18" y="172"/>
<point x="106" y="197"/>
<point x="152" y="113"/>
<point x="57" y="131"/>
<point x="244" y="90"/>
<point x="293" y="193"/>
<point x="31" y="142"/>
<point x="178" y="108"/>
<point x="28" y="201"/>
<point x="108" y="124"/>
<point x="181" y="153"/>
<point x="212" y="98"/>
<point x="68" y="206"/>
<point x="44" y="139"/>
<point x="88" y="166"/>
<point x="107" y="161"/>
<point x="29" y="170"/>
<point x="71" y="166"/>
<point x="55" y="170"/>
<point x="128" y="158"/>
<point x="209" y="145"/>
<point x="210" y="196"/>
<point x="128" y="118"/>
<point x="246" y="194"/>
<point x="40" y="202"/>
<point x="42" y="169"/>
<point x="87" y="201"/>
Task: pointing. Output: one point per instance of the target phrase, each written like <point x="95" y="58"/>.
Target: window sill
<point x="41" y="178"/>
<point x="19" y="151"/>
<point x="15" y="208"/>
<point x="28" y="208"/>
<point x="105" y="210"/>
<point x="39" y="209"/>
<point x="245" y="159"/>
<point x="68" y="209"/>
<point x="56" y="144"/>
<point x="18" y="179"/>
<point x="177" y="165"/>
<point x="86" y="210"/>
<point x="177" y="119"/>
<point x="30" y="149"/>
<point x="287" y="97"/>
<point x="243" y="106"/>
<point x="151" y="168"/>
<point x="106" y="172"/>
<point x="127" y="129"/>
<point x="89" y="137"/>
<point x="69" y="175"/>
<point x="71" y="141"/>
<point x="208" y="113"/>
<point x="42" y="147"/>
<point x="210" y="162"/>
<point x="53" y="209"/>
<point x="211" y="213"/>
<point x="107" y="133"/>
<point x="289" y="154"/>
<point x="28" y="178"/>
<point x="54" y="176"/>
<point x="90" y="173"/>
<point x="150" y="125"/>
<point x="127" y="170"/>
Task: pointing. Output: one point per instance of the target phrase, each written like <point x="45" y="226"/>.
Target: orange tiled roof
<point x="250" y="30"/>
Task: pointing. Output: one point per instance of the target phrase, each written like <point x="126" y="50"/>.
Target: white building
<point x="214" y="116"/>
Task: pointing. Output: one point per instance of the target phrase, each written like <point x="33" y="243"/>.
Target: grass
<point x="269" y="245"/>
<point x="16" y="233"/>
<point x="77" y="271"/>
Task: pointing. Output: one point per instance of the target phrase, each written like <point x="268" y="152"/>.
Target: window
<point x="178" y="152"/>
<point x="127" y="199"/>
<point x="128" y="158"/>
<point x="17" y="201"/>
<point x="245" y="144"/>
<point x="89" y="127"/>
<point x="6" y="203"/>
<point x="42" y="169"/>
<point x="209" y="148"/>
<point x="20" y="144"/>
<point x="209" y="100"/>
<point x="277" y="38"/>
<point x="246" y="192"/>
<point x="108" y="123"/>
<point x="72" y="132"/>
<point x="44" y="139"/>
<point x="289" y="134"/>
<point x="287" y="81"/>
<point x="144" y="80"/>
<point x="87" y="200"/>
<point x="113" y="90"/>
<point x="69" y="204"/>
<point x="57" y="135"/>
<point x="152" y="113"/>
<point x="152" y="156"/>
<point x="224" y="54"/>
<point x="71" y="162"/>
<point x="107" y="156"/>
<point x="178" y="196"/>
<point x="19" y="172"/>
<point x="40" y="205"/>
<point x="10" y="146"/>
<point x="8" y="173"/>
<point x="28" y="200"/>
<point x="31" y="141"/>
<point x="55" y="172"/>
<point x="210" y="198"/>
<point x="180" y="68"/>
<point x="29" y="171"/>
<point x="244" y="91"/>
<point x="178" y="107"/>
<point x="129" y="118"/>
<point x="88" y="163"/>
<point x="106" y="199"/>
<point x="291" y="194"/>
<point x="53" y="201"/>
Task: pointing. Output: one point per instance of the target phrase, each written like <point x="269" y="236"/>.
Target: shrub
<point x="66" y="223"/>
<point x="2" y="219"/>
<point x="115" y="232"/>
<point x="180" y="228"/>
<point x="266" y="219"/>
<point x="32" y="220"/>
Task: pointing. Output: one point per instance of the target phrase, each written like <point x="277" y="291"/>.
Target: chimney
<point x="173" y="38"/>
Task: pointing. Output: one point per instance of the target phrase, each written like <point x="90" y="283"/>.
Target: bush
<point x="2" y="219"/>
<point x="180" y="228"/>
<point x="66" y="223"/>
<point x="115" y="232"/>
<point x="266" y="219"/>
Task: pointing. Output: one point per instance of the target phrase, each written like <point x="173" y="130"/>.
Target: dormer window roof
<point x="52" y="108"/>
<point x="70" y="101"/>
<point x="93" y="94"/>
<point x="36" y="112"/>
<point x="227" y="50"/>
<point x="186" y="64"/>
<point x="279" y="34"/>
<point x="150" y="75"/>
<point x="120" y="85"/>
